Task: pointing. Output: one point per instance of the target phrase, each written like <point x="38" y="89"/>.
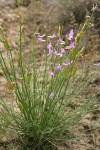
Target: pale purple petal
<point x="71" y="46"/>
<point x="51" y="96"/>
<point x="60" y="41"/>
<point x="49" y="46"/>
<point x="97" y="64"/>
<point x="40" y="37"/>
<point x="71" y="34"/>
<point x="14" y="44"/>
<point x="51" y="73"/>
<point x="50" y="51"/>
<point x="52" y="36"/>
<point x="59" y="67"/>
<point x="68" y="63"/>
<point x="55" y="52"/>
<point x="63" y="51"/>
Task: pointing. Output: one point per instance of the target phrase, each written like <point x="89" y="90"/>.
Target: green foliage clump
<point x="40" y="111"/>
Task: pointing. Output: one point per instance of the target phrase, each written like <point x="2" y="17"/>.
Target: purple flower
<point x="60" y="41"/>
<point x="62" y="51"/>
<point x="52" y="36"/>
<point x="55" y="52"/>
<point x="71" y="46"/>
<point x="51" y="73"/>
<point x="97" y="64"/>
<point x="59" y="54"/>
<point x="50" y="51"/>
<point x="71" y="35"/>
<point x="40" y="38"/>
<point x="68" y="63"/>
<point x="14" y="44"/>
<point x="49" y="45"/>
<point x="59" y="67"/>
<point x="51" y="96"/>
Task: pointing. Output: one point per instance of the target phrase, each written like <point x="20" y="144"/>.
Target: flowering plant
<point x="40" y="111"/>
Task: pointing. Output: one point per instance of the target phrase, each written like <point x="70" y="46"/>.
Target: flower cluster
<point x="58" y="48"/>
